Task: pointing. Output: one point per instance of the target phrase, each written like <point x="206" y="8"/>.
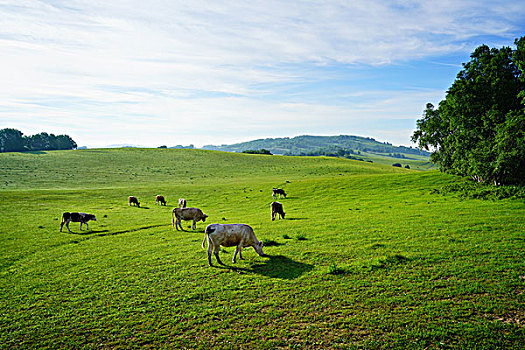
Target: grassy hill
<point x="302" y="145"/>
<point x="370" y="256"/>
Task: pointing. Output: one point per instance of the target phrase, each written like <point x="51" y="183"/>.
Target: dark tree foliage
<point x="478" y="130"/>
<point x="12" y="140"/>
<point x="259" y="151"/>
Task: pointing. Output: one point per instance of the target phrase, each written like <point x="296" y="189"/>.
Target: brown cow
<point x="186" y="214"/>
<point x="133" y="200"/>
<point x="277" y="208"/>
<point x="230" y="235"/>
<point x="160" y="199"/>
<point x="182" y="203"/>
<point x="83" y="218"/>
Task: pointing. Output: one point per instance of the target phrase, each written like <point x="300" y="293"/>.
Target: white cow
<point x="229" y="235"/>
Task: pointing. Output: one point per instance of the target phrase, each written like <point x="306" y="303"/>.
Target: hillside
<point x="369" y="256"/>
<point x="310" y="145"/>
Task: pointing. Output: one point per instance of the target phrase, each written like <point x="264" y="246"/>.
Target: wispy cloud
<point x="188" y="71"/>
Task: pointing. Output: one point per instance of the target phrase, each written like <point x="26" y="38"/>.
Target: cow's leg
<point x="216" y="253"/>
<point x="177" y="224"/>
<point x="80" y="225"/>
<point x="216" y="248"/>
<point x="210" y="247"/>
<point x="240" y="253"/>
<point x="87" y="226"/>
<point x="235" y="254"/>
<point x="67" y="225"/>
<point x="193" y="226"/>
<point x="61" y="225"/>
<point x="180" y="225"/>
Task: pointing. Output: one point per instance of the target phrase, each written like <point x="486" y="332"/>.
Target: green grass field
<point x="368" y="256"/>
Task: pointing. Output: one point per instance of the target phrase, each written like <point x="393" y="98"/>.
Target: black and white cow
<point x="83" y="218"/>
<point x="277" y="208"/>
<point x="278" y="191"/>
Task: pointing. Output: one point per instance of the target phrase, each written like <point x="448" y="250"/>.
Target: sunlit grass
<point x="368" y="256"/>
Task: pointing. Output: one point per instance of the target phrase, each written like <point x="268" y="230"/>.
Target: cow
<point x="278" y="191"/>
<point x="182" y="203"/>
<point x="160" y="199"/>
<point x="186" y="214"/>
<point x="133" y="200"/>
<point x="277" y="208"/>
<point x="230" y="235"/>
<point x="83" y="218"/>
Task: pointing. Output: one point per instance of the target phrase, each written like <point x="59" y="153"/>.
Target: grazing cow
<point x="277" y="208"/>
<point x="83" y="218"/>
<point x="160" y="199"/>
<point x="230" y="235"/>
<point x="182" y="203"/>
<point x="186" y="214"/>
<point x="133" y="200"/>
<point x="278" y="191"/>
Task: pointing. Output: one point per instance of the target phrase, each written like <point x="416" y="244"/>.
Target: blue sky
<point x="174" y="72"/>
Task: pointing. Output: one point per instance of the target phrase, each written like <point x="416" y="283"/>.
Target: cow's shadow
<point x="103" y="233"/>
<point x="275" y="266"/>
<point x="86" y="232"/>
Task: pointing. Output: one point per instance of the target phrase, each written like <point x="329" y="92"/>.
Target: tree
<point x="11" y="140"/>
<point x="65" y="142"/>
<point x="477" y="130"/>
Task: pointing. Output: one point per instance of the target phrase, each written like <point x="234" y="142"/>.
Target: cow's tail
<point x="173" y="218"/>
<point x="209" y="229"/>
<point x="65" y="217"/>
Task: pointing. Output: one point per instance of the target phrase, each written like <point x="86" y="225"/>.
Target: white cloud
<point x="128" y="69"/>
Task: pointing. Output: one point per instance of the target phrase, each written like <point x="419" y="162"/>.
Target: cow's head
<point x="283" y="214"/>
<point x="259" y="248"/>
<point x="204" y="217"/>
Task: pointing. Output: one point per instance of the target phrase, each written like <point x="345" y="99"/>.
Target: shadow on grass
<point x="103" y="233"/>
<point x="275" y="266"/>
<point x="296" y="219"/>
<point x="87" y="232"/>
<point x="34" y="152"/>
<point x="189" y="230"/>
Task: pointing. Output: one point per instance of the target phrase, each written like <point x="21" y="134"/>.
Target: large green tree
<point x="478" y="130"/>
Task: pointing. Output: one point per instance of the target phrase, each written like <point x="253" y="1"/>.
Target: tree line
<point x="13" y="140"/>
<point x="478" y="130"/>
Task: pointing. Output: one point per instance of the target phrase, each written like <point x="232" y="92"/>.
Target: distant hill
<point x="323" y="145"/>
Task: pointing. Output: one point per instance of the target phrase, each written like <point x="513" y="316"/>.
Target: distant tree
<point x="163" y="146"/>
<point x="11" y="140"/>
<point x="65" y="142"/>
<point x="478" y="130"/>
<point x="39" y="142"/>
<point x="261" y="151"/>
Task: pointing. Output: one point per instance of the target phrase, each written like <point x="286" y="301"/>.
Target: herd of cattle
<point x="226" y="235"/>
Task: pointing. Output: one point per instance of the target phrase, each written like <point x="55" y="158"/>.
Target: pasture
<point x="368" y="256"/>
